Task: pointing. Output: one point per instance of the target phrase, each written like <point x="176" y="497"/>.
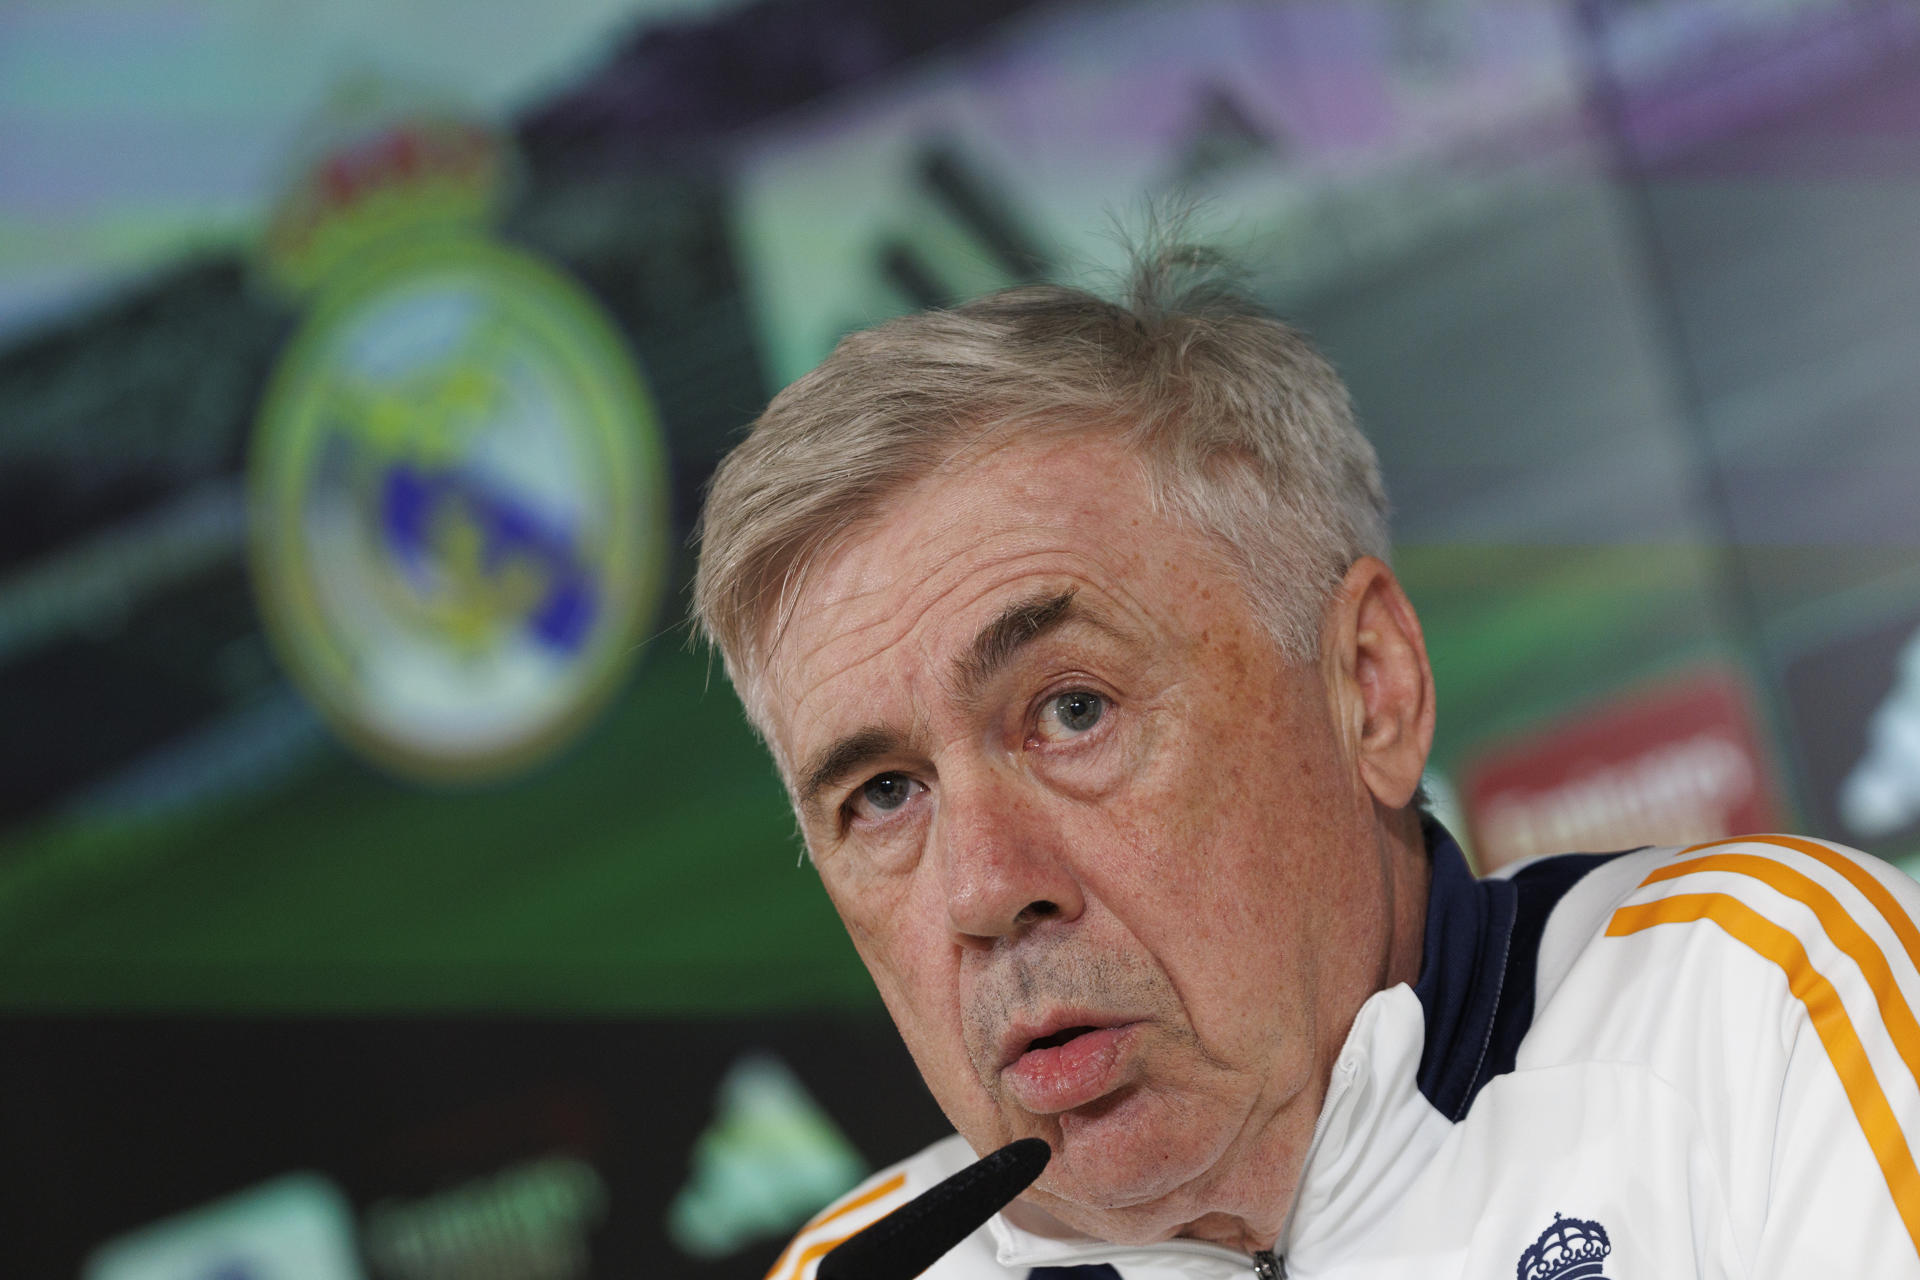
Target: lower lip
<point x="1045" y="1081"/>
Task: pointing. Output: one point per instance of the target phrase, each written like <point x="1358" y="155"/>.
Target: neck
<point x="1408" y="873"/>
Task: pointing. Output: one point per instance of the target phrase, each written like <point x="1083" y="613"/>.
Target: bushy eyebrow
<point x="844" y="757"/>
<point x="993" y="646"/>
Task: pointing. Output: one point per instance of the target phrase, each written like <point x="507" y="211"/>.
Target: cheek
<point x="912" y="964"/>
<point x="920" y="992"/>
<point x="1226" y="866"/>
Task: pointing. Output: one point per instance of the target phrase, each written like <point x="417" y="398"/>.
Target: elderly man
<point x="1071" y="630"/>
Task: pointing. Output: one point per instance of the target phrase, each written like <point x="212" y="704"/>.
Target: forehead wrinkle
<point x="897" y="620"/>
<point x="791" y="669"/>
<point x="847" y="638"/>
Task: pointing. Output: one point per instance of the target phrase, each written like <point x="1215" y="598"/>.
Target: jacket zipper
<point x="1271" y="1264"/>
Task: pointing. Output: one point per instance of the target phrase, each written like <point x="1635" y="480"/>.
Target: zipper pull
<point x="1268" y="1267"/>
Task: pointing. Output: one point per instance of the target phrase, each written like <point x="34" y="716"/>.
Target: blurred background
<point x="388" y="892"/>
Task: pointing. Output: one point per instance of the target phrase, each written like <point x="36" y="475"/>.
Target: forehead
<point x="887" y="612"/>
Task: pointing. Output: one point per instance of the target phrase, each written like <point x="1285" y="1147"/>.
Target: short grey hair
<point x="1243" y="429"/>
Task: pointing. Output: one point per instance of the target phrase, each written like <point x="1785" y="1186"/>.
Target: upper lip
<point x="1022" y="1032"/>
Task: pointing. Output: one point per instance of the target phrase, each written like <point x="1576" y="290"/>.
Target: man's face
<point x="1106" y="853"/>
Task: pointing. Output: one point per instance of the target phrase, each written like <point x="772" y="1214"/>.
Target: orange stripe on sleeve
<point x="813" y="1251"/>
<point x="861" y="1201"/>
<point x="1847" y="935"/>
<point x="1883" y="901"/>
<point x="1829" y="1018"/>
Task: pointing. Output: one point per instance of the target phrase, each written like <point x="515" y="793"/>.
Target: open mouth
<point x="1059" y="1038"/>
<point x="1070" y="1067"/>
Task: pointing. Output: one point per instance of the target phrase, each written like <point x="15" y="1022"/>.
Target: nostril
<point x="1039" y="910"/>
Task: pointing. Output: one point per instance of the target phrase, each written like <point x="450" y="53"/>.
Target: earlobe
<point x="1388" y="692"/>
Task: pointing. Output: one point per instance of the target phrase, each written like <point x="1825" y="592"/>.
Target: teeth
<point x="1058" y="1038"/>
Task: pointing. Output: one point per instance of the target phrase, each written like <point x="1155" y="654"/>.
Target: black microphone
<point x="915" y="1236"/>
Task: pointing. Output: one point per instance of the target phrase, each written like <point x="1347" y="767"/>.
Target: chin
<point x="1149" y="1222"/>
<point x="1125" y="1180"/>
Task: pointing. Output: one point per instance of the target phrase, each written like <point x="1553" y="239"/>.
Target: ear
<point x="1381" y="688"/>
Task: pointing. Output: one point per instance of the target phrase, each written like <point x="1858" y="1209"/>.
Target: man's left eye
<point x="1071" y="713"/>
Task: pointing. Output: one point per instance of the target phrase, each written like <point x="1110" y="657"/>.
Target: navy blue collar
<point x="1478" y="962"/>
<point x="1463" y="970"/>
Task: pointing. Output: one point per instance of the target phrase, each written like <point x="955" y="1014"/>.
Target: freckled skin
<point x="1222" y="863"/>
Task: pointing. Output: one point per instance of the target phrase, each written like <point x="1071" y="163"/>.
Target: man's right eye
<point x="881" y="794"/>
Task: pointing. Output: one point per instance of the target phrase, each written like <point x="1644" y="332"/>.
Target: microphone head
<point x="916" y="1235"/>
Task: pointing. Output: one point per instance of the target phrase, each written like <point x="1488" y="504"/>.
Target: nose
<point x="1005" y="863"/>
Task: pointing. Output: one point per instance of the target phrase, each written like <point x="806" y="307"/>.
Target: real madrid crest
<point x="1570" y="1249"/>
<point x="457" y="483"/>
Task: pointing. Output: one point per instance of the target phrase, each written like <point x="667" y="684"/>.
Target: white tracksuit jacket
<point x="1667" y="1063"/>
